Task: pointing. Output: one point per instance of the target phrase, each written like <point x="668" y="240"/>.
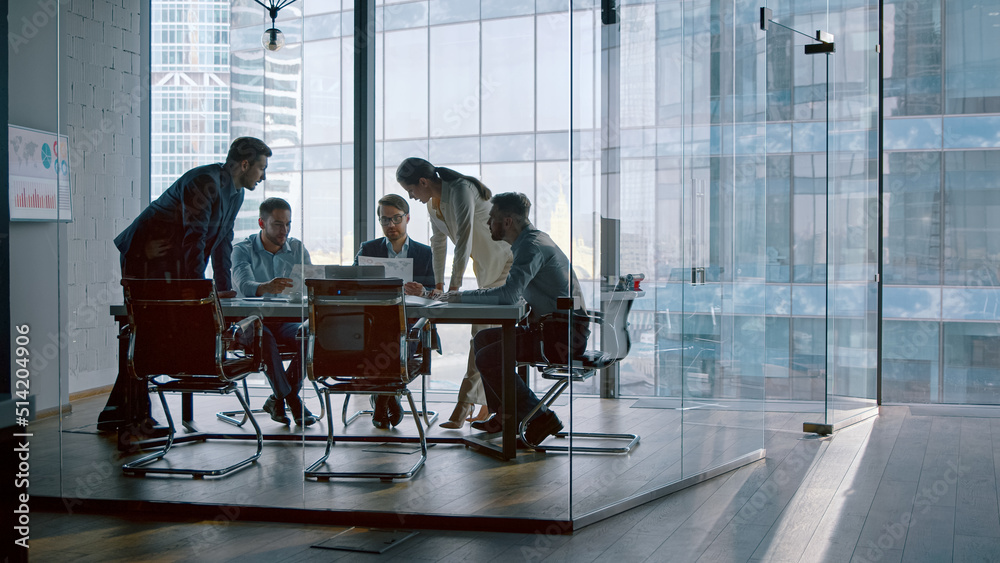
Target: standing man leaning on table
<point x="540" y="274"/>
<point x="193" y="220"/>
<point x="189" y="223"/>
<point x="394" y="215"/>
<point x="176" y="235"/>
<point x="261" y="266"/>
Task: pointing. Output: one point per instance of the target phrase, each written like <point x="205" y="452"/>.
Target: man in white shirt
<point x="261" y="266"/>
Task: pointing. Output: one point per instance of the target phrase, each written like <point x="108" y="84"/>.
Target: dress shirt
<point x="254" y="266"/>
<point x="540" y="274"/>
<point x="404" y="251"/>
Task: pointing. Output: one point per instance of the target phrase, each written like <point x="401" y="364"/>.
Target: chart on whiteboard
<point x="39" y="175"/>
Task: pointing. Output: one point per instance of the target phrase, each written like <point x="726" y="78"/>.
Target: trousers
<point x="529" y="344"/>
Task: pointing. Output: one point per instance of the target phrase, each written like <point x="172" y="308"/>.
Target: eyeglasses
<point x="395" y="219"/>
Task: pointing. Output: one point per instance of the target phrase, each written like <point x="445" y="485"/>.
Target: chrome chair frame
<point x="222" y="375"/>
<point x="581" y="368"/>
<point x="356" y="295"/>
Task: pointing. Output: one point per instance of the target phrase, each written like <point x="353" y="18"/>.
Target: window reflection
<point x="971" y="132"/>
<point x="971" y="234"/>
<point x="970" y="27"/>
<point x="912" y="226"/>
<point x="912" y="133"/>
<point x="971" y="363"/>
<point x="912" y="57"/>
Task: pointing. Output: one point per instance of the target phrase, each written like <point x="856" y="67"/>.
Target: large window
<point x="482" y="87"/>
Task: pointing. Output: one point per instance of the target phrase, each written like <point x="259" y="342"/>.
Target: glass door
<point x="723" y="200"/>
<point x="852" y="206"/>
<point x="822" y="157"/>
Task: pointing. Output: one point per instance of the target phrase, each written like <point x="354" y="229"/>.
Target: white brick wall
<point x="101" y="65"/>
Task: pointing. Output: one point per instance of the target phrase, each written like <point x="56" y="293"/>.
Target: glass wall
<point x="511" y="93"/>
<point x="682" y="143"/>
<point x="692" y="141"/>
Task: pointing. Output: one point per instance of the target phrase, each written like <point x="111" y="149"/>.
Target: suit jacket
<point x="423" y="265"/>
<point x="194" y="220"/>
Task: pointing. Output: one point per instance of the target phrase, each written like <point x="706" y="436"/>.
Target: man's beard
<point x="272" y="241"/>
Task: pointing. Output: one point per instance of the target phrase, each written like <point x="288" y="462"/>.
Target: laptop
<point x="302" y="272"/>
<point x="354" y="272"/>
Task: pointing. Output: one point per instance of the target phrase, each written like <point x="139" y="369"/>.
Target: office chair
<point x="359" y="343"/>
<point x="178" y="344"/>
<point x="581" y="367"/>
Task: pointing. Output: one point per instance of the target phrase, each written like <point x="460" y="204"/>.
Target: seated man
<point x="261" y="264"/>
<point x="540" y="274"/>
<point x="393" y="215"/>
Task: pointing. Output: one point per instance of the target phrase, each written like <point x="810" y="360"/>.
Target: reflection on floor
<point x="914" y="484"/>
<point x="81" y="464"/>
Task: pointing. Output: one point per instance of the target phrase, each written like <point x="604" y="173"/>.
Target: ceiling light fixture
<point x="273" y="39"/>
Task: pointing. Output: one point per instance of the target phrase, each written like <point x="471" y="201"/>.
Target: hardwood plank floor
<point x="899" y="487"/>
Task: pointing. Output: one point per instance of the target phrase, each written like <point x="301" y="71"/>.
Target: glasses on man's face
<point x="395" y="219"/>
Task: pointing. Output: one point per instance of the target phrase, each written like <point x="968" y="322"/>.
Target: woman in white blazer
<point x="459" y="207"/>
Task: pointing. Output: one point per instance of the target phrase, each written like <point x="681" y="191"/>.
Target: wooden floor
<point x="914" y="484"/>
<point x="456" y="481"/>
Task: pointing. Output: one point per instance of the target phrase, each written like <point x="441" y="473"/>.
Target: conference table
<point x="506" y="316"/>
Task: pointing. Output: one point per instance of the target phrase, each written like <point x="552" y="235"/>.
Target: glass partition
<point x="852" y="390"/>
<point x="682" y="203"/>
<point x="677" y="154"/>
<point x="724" y="194"/>
<point x="42" y="222"/>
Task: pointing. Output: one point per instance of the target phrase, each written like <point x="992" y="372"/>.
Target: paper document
<point x="417" y="301"/>
<point x="394" y="267"/>
<point x="301" y="273"/>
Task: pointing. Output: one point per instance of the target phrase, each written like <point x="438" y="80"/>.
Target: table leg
<point x="509" y="421"/>
<point x="187" y="412"/>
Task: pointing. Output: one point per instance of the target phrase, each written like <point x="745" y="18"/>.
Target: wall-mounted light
<point x="273" y="39"/>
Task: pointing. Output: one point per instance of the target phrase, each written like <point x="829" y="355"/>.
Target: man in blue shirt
<point x="261" y="266"/>
<point x="540" y="274"/>
<point x="394" y="215"/>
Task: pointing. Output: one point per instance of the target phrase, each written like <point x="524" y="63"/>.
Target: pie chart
<point x="46" y="156"/>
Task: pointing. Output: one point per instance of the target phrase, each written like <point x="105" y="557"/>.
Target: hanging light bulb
<point x="273" y="39"/>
